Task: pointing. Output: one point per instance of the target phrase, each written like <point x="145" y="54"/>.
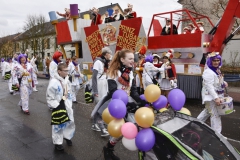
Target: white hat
<point x="169" y="54"/>
<point x="156" y="55"/>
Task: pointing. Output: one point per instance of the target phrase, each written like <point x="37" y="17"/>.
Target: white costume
<point x="55" y="91"/>
<point x="8" y="67"/>
<point x="149" y="73"/>
<point x="25" y="83"/>
<point x="75" y="72"/>
<point x="52" y="69"/>
<point x="212" y="89"/>
<point x="35" y="72"/>
<point x="102" y="86"/>
<point x="44" y="66"/>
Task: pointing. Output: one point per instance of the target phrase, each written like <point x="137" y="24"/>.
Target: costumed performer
<point x="66" y="15"/>
<point x="7" y="73"/>
<point x="59" y="97"/>
<point x="35" y="72"/>
<point x="96" y="17"/>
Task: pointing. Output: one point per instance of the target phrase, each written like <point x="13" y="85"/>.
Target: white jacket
<point x="75" y="73"/>
<point x="55" y="93"/>
<point x="6" y="68"/>
<point x="149" y="72"/>
<point x="52" y="68"/>
<point x="211" y="84"/>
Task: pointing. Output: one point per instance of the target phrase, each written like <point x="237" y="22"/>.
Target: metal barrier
<point x="231" y="77"/>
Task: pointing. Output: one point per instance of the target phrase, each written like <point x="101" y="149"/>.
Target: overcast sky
<point x="14" y="13"/>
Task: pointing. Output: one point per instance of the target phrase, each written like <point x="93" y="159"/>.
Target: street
<point x="28" y="137"/>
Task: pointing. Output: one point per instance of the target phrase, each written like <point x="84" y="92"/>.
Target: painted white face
<point x="128" y="61"/>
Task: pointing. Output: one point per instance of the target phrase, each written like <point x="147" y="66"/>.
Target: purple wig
<point x="209" y="62"/>
<point x="21" y="56"/>
<point x="2" y="60"/>
<point x="149" y="58"/>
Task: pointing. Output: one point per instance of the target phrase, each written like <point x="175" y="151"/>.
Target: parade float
<point x="189" y="49"/>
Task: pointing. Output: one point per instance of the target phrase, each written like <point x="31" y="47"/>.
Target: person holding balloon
<point x="212" y="91"/>
<point x="126" y="100"/>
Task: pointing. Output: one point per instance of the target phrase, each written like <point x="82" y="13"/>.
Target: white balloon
<point x="129" y="144"/>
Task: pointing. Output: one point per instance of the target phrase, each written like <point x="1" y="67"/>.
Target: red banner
<point x="63" y="33"/>
<point x="94" y="40"/>
<point x="128" y="34"/>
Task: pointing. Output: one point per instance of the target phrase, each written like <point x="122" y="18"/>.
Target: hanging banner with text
<point x="128" y="34"/>
<point x="94" y="41"/>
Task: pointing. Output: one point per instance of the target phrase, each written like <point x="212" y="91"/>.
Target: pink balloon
<point x="129" y="130"/>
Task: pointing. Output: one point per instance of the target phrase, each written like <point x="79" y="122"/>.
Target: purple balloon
<point x="145" y="139"/>
<point x="176" y="98"/>
<point x="143" y="98"/>
<point x="160" y="103"/>
<point x="117" y="108"/>
<point x="120" y="94"/>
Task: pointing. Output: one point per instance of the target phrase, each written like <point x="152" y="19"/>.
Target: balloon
<point x="160" y="103"/>
<point x="130" y="144"/>
<point x="185" y="111"/>
<point x="152" y="93"/>
<point x="145" y="139"/>
<point x="177" y="99"/>
<point x="143" y="98"/>
<point x="120" y="94"/>
<point x="106" y="116"/>
<point x="162" y="110"/>
<point x="129" y="130"/>
<point x="144" y="117"/>
<point x="114" y="127"/>
<point x="117" y="108"/>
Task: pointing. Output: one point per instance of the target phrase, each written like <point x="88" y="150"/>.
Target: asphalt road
<point x="24" y="137"/>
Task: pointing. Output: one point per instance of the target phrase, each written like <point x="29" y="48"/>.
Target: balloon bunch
<point x="116" y="111"/>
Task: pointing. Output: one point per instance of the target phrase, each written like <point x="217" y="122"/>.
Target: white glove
<point x="175" y="80"/>
<point x="171" y="83"/>
<point x="137" y="69"/>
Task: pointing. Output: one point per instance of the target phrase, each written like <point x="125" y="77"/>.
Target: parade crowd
<point x="124" y="70"/>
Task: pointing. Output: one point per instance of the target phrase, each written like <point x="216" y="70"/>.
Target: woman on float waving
<point x="120" y="76"/>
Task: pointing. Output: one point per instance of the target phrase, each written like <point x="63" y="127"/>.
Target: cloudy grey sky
<point x="14" y="13"/>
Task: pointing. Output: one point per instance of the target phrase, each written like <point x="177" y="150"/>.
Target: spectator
<point x="167" y="28"/>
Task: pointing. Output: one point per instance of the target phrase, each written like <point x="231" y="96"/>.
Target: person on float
<point x="186" y="30"/>
<point x="166" y="30"/>
<point x="131" y="13"/>
<point x="192" y="28"/>
<point x="106" y="18"/>
<point x="168" y="77"/>
<point x="150" y="71"/>
<point x="120" y="76"/>
<point x="200" y="25"/>
<point x="66" y="15"/>
<point x="157" y="63"/>
<point x="23" y="79"/>
<point x="212" y="91"/>
<point x="75" y="73"/>
<point x="117" y="16"/>
<point x="35" y="72"/>
<point x="7" y="73"/>
<point x="57" y="58"/>
<point x="100" y="86"/>
<point x="59" y="93"/>
<point x="96" y="17"/>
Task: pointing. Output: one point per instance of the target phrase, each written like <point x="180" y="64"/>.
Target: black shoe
<point x="59" y="147"/>
<point x="75" y="102"/>
<point x="109" y="155"/>
<point x="69" y="142"/>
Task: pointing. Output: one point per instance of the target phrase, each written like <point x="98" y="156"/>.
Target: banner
<point x="94" y="41"/>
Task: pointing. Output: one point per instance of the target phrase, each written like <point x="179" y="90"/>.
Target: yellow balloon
<point x="106" y="116"/>
<point x="144" y="117"/>
<point x="114" y="127"/>
<point x="185" y="111"/>
<point x="152" y="93"/>
<point x="162" y="110"/>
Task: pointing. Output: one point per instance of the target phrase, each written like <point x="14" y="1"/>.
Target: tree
<point x="7" y="46"/>
<point x="37" y="33"/>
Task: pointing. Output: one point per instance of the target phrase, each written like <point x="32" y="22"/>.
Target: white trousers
<point x="25" y="92"/>
<point x="65" y="130"/>
<point x="10" y="85"/>
<point x="75" y="89"/>
<point x="211" y="110"/>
